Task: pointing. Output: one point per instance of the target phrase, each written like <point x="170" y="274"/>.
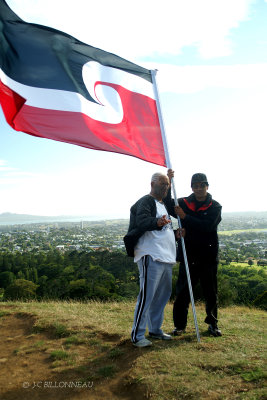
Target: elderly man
<point x="200" y="215"/>
<point x="150" y="239"/>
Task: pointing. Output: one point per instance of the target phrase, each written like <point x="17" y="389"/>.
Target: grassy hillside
<point x="62" y="350"/>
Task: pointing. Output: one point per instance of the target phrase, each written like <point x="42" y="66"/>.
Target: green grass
<point x="115" y="353"/>
<point x="230" y="367"/>
<point x="59" y="355"/>
<point x="60" y="330"/>
<point x="39" y="344"/>
<point x="4" y="313"/>
<point x="74" y="340"/>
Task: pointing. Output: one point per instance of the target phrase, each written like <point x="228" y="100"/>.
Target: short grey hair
<point x="155" y="177"/>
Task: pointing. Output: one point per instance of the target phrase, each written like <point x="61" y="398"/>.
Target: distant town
<point x="243" y="236"/>
<point x="63" y="236"/>
<point x="83" y="260"/>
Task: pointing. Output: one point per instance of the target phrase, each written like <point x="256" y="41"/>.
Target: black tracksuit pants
<point x="206" y="274"/>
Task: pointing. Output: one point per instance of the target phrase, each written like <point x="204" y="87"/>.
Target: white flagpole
<point x="168" y="162"/>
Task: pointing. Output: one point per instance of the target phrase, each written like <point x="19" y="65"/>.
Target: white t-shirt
<point x="159" y="244"/>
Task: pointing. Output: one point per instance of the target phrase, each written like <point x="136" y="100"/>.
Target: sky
<point x="211" y="57"/>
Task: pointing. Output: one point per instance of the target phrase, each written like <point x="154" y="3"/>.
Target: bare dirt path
<point x="29" y="371"/>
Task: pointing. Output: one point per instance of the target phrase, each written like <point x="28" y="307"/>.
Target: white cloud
<point x="4" y="168"/>
<point x="228" y="143"/>
<point x="142" y="28"/>
<point x="12" y="176"/>
<point x="190" y="79"/>
<point x="89" y="189"/>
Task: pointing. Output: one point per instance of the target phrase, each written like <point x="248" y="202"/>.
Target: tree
<point x="261" y="301"/>
<point x="128" y="290"/>
<point x="21" y="289"/>
<point x="226" y="293"/>
<point x="21" y="275"/>
<point x="6" y="279"/>
<point x="79" y="289"/>
<point x="101" y="283"/>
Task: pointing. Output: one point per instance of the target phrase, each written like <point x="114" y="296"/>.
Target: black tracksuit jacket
<point x="142" y="219"/>
<point x="200" y="223"/>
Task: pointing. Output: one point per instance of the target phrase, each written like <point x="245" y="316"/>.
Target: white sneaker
<point x="143" y="343"/>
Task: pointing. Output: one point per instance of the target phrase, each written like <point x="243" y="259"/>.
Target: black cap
<point x="199" y="177"/>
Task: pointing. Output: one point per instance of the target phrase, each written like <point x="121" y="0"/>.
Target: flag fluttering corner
<point x="54" y="86"/>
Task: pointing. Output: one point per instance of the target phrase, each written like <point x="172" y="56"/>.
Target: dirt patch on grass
<point x="85" y="365"/>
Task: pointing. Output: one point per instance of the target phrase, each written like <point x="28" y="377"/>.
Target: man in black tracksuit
<point x="200" y="216"/>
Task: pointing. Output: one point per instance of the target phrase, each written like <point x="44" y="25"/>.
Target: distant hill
<point x="243" y="220"/>
<point x="245" y="214"/>
<point x="8" y="218"/>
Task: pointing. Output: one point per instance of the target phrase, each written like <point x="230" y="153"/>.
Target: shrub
<point x="21" y="289"/>
<point x="261" y="301"/>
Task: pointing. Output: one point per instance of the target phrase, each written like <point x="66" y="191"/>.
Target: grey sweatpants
<point x="155" y="291"/>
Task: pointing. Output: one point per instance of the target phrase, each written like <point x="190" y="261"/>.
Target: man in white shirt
<point x="154" y="252"/>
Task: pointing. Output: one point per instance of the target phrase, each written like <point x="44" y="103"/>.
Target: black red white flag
<point x="56" y="87"/>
